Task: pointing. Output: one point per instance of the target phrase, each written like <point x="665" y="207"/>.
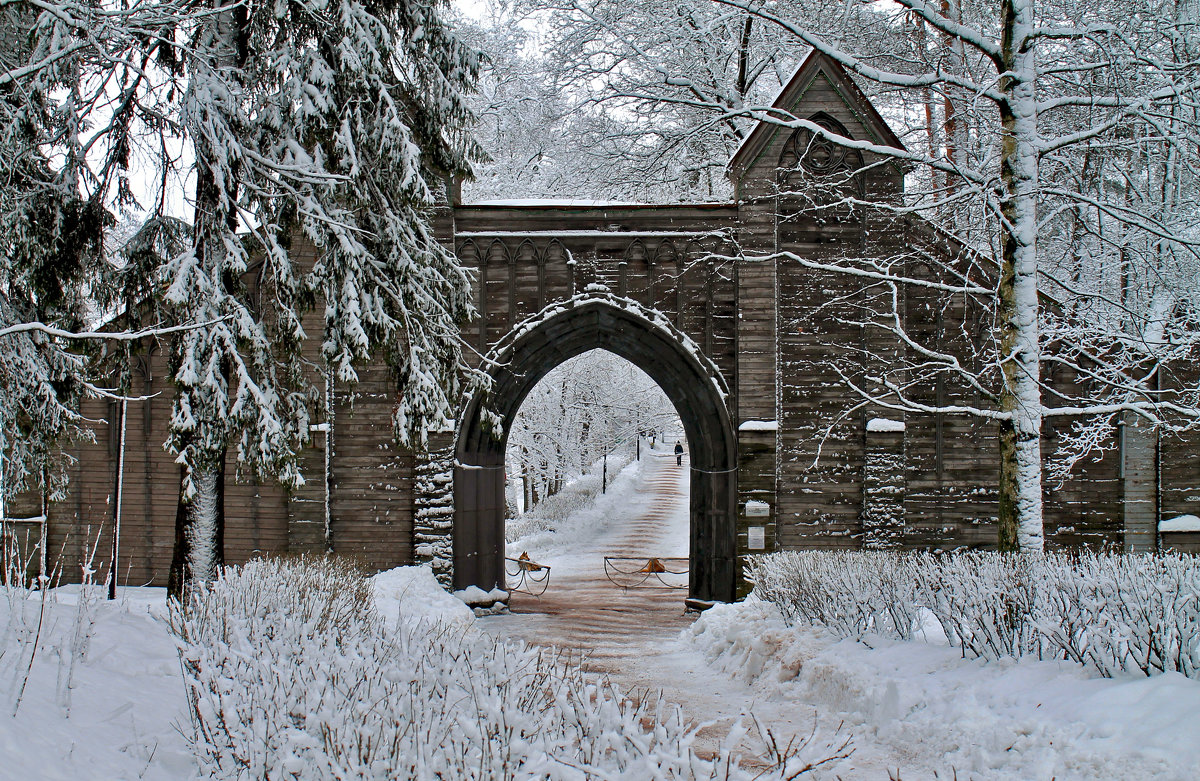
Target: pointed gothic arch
<point x="648" y="341"/>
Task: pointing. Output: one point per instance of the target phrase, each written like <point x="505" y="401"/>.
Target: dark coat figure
<point x="678" y="453"/>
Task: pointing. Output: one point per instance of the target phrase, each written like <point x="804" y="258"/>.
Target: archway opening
<point x="645" y="339"/>
<point x="591" y="472"/>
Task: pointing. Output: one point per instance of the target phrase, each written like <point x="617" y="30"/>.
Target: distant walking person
<point x="678" y="453"/>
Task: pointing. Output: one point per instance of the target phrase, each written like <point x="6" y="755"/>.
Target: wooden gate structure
<point x="728" y="308"/>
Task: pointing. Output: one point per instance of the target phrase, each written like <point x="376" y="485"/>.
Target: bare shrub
<point x="33" y="630"/>
<point x="291" y="673"/>
<point x="850" y="592"/>
<point x="1113" y="612"/>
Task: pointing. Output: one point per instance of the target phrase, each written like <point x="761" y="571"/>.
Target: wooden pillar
<point x="1139" y="472"/>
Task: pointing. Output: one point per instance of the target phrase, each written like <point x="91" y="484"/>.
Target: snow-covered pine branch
<point x="329" y="123"/>
<point x="332" y="122"/>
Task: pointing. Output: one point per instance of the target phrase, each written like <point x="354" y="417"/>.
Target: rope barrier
<point x="654" y="567"/>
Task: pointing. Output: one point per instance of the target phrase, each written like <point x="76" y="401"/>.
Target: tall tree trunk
<point x="1020" y="511"/>
<point x="199" y="530"/>
<point x="200" y="514"/>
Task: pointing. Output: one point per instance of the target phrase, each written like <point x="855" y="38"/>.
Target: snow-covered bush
<point x="1114" y="612"/>
<point x="848" y="592"/>
<point x="1124" y="612"/>
<point x="291" y="673"/>
<point x="984" y="602"/>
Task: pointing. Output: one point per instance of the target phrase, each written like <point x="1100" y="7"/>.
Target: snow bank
<point x="962" y="718"/>
<point x="414" y="594"/>
<point x="474" y="595"/>
<point x="102" y="697"/>
<point x="1183" y="523"/>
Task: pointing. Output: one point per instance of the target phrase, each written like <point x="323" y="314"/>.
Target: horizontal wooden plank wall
<point x="823" y="331"/>
<point x="733" y="277"/>
<point x="81" y="524"/>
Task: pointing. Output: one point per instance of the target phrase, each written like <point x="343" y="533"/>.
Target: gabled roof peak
<point x="790" y="97"/>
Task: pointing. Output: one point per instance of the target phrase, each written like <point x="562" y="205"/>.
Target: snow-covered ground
<point x="579" y="540"/>
<point x="104" y="696"/>
<point x="915" y="709"/>
<point x="934" y="712"/>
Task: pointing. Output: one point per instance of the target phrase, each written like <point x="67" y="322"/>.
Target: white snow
<point x="884" y="425"/>
<point x="320" y="689"/>
<point x="104" y="697"/>
<point x="914" y="706"/>
<point x="942" y="714"/>
<point x="414" y="593"/>
<point x="573" y="540"/>
<point x="474" y="595"/>
<point x="759" y="425"/>
<point x="118" y="709"/>
<point x="1182" y="523"/>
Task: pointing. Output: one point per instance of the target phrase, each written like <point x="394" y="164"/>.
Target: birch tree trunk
<point x="1020" y="507"/>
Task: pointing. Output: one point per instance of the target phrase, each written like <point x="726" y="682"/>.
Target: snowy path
<point x="912" y="709"/>
<point x="633" y="636"/>
<point x="582" y="609"/>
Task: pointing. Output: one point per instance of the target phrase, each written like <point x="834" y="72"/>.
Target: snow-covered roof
<point x="1182" y="523"/>
<point x="776" y="100"/>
